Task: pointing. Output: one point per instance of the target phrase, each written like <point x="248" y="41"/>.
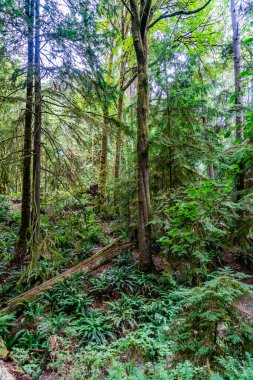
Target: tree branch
<point x="127" y="7"/>
<point x="134" y="9"/>
<point x="123" y="88"/>
<point x="178" y="13"/>
<point x="145" y="15"/>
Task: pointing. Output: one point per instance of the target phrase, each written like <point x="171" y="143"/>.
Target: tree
<point x="239" y="186"/>
<point x="121" y="94"/>
<point x="142" y="14"/>
<point x="37" y="129"/>
<point x="26" y="179"/>
<point x="104" y="140"/>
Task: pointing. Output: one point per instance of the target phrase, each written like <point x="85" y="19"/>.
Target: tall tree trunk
<point x="26" y="180"/>
<point x="104" y="145"/>
<point x="239" y="185"/>
<point x="103" y="162"/>
<point x="119" y="140"/>
<point x="144" y="229"/>
<point x="210" y="167"/>
<point x="170" y="150"/>
<point x="140" y="19"/>
<point x="121" y="98"/>
<point x="37" y="130"/>
<point x="237" y="69"/>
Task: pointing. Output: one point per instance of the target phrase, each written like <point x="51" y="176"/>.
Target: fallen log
<point x="101" y="257"/>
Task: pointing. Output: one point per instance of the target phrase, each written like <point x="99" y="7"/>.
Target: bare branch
<point x="127" y="7"/>
<point x="123" y="88"/>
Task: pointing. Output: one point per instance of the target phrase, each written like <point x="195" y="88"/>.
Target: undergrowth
<point x="69" y="232"/>
<point x="142" y="327"/>
<point x="120" y="322"/>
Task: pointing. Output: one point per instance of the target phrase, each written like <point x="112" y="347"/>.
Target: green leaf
<point x="245" y="73"/>
<point x="232" y="98"/>
<point x="248" y="41"/>
<point x="227" y="134"/>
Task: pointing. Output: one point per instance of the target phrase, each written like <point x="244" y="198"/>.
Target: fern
<point x="6" y="322"/>
<point x="206" y="312"/>
<point x="234" y="369"/>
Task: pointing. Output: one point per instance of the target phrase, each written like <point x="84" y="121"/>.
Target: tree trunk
<point x="118" y="140"/>
<point x="210" y="167"/>
<point x="37" y="130"/>
<point x="140" y="19"/>
<point x="237" y="69"/>
<point x="170" y="150"/>
<point x="103" y="162"/>
<point x="144" y="230"/>
<point x="104" y="145"/>
<point x="239" y="180"/>
<point x="26" y="180"/>
<point x="210" y="171"/>
<point x="121" y="99"/>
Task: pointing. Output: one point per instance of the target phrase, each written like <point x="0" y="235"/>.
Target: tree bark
<point x="140" y="19"/>
<point x="26" y="179"/>
<point x="103" y="162"/>
<point x="104" y="145"/>
<point x="119" y="140"/>
<point x="121" y="99"/>
<point x="210" y="167"/>
<point x="237" y="69"/>
<point x="37" y="130"/>
<point x="170" y="150"/>
<point x="239" y="180"/>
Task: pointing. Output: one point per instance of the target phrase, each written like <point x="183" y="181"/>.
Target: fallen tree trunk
<point x="101" y="257"/>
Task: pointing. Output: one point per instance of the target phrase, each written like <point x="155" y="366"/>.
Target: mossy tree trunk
<point x="210" y="167"/>
<point x="104" y="143"/>
<point x="140" y="16"/>
<point x="121" y="98"/>
<point x="26" y="179"/>
<point x="239" y="181"/>
<point x="37" y="130"/>
<point x="103" y="162"/>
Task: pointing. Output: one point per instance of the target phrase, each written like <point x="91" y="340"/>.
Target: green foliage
<point x="235" y="369"/>
<point x="209" y="323"/>
<point x="6" y="322"/>
<point x="94" y="327"/>
<point x="123" y="313"/>
<point x="196" y="224"/>
<point x="128" y="279"/>
<point x="74" y="224"/>
<point x="68" y="296"/>
<point x="4" y="208"/>
<point x="8" y="227"/>
<point x="119" y="322"/>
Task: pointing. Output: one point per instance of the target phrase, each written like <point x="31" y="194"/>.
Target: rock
<point x="4" y="372"/>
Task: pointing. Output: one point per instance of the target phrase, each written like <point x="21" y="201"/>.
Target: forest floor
<point x="111" y="323"/>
